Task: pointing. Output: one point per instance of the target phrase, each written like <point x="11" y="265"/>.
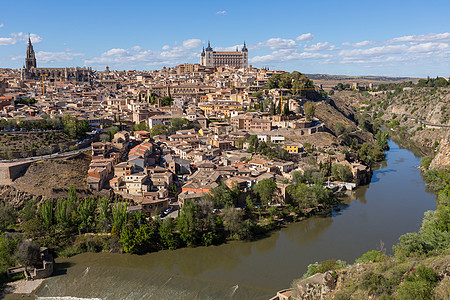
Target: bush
<point x="371" y="256"/>
<point x="417" y="290"/>
<point x="324" y="266"/>
<point x="377" y="284"/>
<point x="426" y="161"/>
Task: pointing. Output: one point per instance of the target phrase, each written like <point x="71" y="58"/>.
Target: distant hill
<point x="329" y="81"/>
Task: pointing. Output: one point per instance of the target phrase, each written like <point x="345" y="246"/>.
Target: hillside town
<point x="162" y="137"/>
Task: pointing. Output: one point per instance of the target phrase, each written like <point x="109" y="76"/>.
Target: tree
<point x="286" y="108"/>
<point x="265" y="189"/>
<point x="278" y="109"/>
<point x="112" y="131"/>
<point x="232" y="221"/>
<point x="65" y="213"/>
<point x="187" y="223"/>
<point x="28" y="253"/>
<point x="8" y="246"/>
<point x="158" y="129"/>
<point x="167" y="236"/>
<point x="179" y="124"/>
<point x="341" y="172"/>
<point x="119" y="214"/>
<point x="310" y="109"/>
<point x="252" y="143"/>
<point x="222" y="196"/>
<point x="7" y="216"/>
<point x="166" y="101"/>
<point x="86" y="214"/>
<point x="103" y="215"/>
<point x="272" y="108"/>
<point x="46" y="212"/>
<point x="141" y="127"/>
<point x="139" y="236"/>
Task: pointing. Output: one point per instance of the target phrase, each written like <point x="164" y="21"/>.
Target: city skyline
<point x="382" y="38"/>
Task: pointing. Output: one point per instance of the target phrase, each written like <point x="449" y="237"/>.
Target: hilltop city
<point x="196" y="155"/>
<point x="161" y="137"/>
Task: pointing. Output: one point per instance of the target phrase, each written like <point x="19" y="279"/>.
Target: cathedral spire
<point x="244" y="49"/>
<point x="209" y="47"/>
<point x="30" y="60"/>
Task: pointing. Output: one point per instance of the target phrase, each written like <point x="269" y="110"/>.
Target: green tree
<point x="158" y="129"/>
<point x="265" y="189"/>
<point x="272" y="108"/>
<point x="341" y="172"/>
<point x="232" y="221"/>
<point x="310" y="110"/>
<point x="28" y="253"/>
<point x="179" y="124"/>
<point x="86" y="214"/>
<point x="187" y="223"/>
<point x="286" y="109"/>
<point x="278" y="109"/>
<point x="141" y="127"/>
<point x="168" y="238"/>
<point x="103" y="214"/>
<point x="46" y="213"/>
<point x="119" y="214"/>
<point x="7" y="216"/>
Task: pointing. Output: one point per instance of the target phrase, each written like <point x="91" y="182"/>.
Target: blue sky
<point x="393" y="38"/>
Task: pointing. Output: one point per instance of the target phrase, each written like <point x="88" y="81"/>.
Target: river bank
<point x="391" y="205"/>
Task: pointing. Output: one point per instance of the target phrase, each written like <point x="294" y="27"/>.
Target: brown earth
<point x="430" y="104"/>
<point x="50" y="178"/>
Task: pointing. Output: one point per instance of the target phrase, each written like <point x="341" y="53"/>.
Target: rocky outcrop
<point x="442" y="158"/>
<point x="14" y="197"/>
<point x="315" y="287"/>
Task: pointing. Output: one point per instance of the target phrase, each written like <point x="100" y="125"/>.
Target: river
<point x="375" y="215"/>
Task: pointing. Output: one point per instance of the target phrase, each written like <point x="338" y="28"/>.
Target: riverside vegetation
<point x="418" y="269"/>
<point x="73" y="225"/>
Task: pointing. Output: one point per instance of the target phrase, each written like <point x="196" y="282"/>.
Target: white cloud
<point x="192" y="43"/>
<point x="275" y="43"/>
<point x="359" y="44"/>
<point x="2" y="25"/>
<point x="375" y="51"/>
<point x="430" y="37"/>
<point x="18" y="37"/>
<point x="54" y="57"/>
<point x="136" y="56"/>
<point x="287" y="55"/>
<point x="7" y="41"/>
<point x="308" y="37"/>
<point x="116" y="52"/>
<point x="230" y="48"/>
<point x="324" y="46"/>
<point x="221" y="12"/>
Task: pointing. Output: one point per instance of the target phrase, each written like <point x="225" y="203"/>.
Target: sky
<point x="390" y="38"/>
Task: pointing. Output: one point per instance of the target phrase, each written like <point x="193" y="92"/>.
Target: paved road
<point x="54" y="155"/>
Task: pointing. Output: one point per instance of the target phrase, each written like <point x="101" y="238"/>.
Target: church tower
<point x="209" y="60"/>
<point x="30" y="61"/>
<point x="244" y="56"/>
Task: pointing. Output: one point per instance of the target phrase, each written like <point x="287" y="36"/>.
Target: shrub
<point x="426" y="161"/>
<point x="417" y="290"/>
<point x="377" y="284"/>
<point x="324" y="266"/>
<point x="371" y="256"/>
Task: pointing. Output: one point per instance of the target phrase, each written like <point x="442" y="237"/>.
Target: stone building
<point x="211" y="58"/>
<point x="31" y="71"/>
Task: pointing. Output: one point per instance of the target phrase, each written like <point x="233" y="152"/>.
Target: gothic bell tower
<point x="30" y="61"/>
